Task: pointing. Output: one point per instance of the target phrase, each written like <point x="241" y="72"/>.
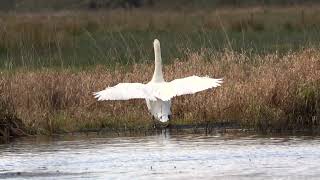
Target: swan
<point x="158" y="93"/>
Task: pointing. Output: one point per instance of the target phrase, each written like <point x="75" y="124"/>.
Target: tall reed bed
<point x="270" y="92"/>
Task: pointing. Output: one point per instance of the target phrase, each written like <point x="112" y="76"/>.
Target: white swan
<point x="157" y="92"/>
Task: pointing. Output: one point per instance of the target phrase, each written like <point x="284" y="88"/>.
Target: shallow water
<point x="162" y="156"/>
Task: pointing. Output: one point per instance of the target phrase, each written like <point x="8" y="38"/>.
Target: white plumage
<point x="157" y="92"/>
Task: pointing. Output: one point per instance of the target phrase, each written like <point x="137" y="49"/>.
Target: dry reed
<point x="269" y="92"/>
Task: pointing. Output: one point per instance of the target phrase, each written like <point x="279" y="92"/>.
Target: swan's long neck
<point x="157" y="75"/>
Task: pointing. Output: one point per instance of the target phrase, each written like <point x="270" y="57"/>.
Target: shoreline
<point x="232" y="129"/>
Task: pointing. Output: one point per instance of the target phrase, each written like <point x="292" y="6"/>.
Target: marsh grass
<point x="86" y="38"/>
<point x="51" y="62"/>
<point x="10" y="125"/>
<point x="272" y="93"/>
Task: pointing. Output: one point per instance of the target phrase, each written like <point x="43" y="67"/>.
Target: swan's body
<point x="157" y="92"/>
<point x="160" y="109"/>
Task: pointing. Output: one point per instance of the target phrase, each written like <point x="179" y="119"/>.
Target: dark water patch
<point x="30" y="175"/>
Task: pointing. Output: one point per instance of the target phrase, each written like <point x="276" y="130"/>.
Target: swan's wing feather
<point x="153" y="91"/>
<point x="125" y="91"/>
<point x="188" y="85"/>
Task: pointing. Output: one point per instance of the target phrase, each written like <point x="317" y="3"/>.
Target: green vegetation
<point x="52" y="61"/>
<point x="82" y="39"/>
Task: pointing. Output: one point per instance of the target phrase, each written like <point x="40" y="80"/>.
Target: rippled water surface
<point x="167" y="156"/>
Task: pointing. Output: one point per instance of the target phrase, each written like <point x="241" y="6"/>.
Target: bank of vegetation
<point x="81" y="38"/>
<point x="268" y="93"/>
<point x="52" y="61"/>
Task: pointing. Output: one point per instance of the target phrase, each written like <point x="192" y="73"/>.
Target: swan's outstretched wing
<point x="188" y="85"/>
<point x="153" y="91"/>
<point x="125" y="91"/>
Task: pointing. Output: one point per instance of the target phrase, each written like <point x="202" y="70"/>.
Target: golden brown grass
<point x="266" y="93"/>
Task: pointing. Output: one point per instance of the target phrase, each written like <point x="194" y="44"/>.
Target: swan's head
<point x="156" y="42"/>
<point x="156" y="46"/>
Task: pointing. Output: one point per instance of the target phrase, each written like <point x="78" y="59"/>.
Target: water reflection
<point x="165" y="155"/>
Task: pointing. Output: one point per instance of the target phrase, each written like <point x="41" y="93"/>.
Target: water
<point x="162" y="156"/>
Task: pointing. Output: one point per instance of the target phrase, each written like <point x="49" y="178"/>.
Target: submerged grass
<point x="268" y="93"/>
